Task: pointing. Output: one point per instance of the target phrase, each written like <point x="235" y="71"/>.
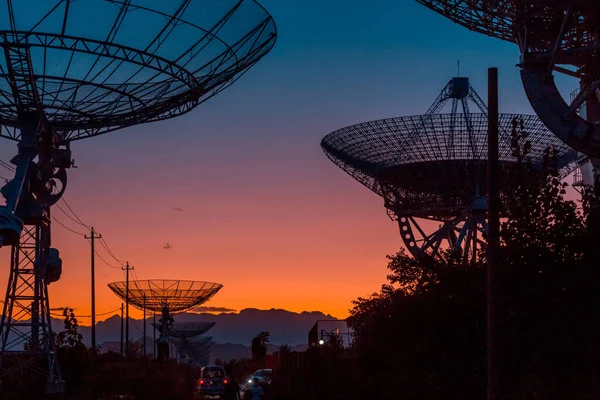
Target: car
<point x="264" y="377"/>
<point x="212" y="381"/>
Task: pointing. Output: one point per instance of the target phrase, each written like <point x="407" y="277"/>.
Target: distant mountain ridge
<point x="285" y="327"/>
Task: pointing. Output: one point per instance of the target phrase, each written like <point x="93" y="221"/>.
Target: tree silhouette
<point x="259" y="346"/>
<point x="70" y="336"/>
<point x="423" y="334"/>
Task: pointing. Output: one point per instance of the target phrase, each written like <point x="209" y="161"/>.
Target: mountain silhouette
<point x="231" y="328"/>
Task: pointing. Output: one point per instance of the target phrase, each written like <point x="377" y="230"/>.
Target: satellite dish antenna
<point x="431" y="169"/>
<point x="167" y="298"/>
<point x="553" y="36"/>
<point x="76" y="69"/>
<point x="191" y="347"/>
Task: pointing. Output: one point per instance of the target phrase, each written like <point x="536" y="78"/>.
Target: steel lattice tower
<point x="25" y="324"/>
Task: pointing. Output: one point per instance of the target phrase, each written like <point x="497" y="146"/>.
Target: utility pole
<point x="127" y="268"/>
<point x="121" y="329"/>
<point x="144" y="325"/>
<point x="91" y="238"/>
<point x="493" y="250"/>
<point x="154" y="336"/>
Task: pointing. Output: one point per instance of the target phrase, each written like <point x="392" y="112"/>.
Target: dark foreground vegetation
<point x="93" y="376"/>
<point x="108" y="377"/>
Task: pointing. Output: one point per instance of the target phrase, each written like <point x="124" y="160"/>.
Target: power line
<point x="102" y="258"/>
<point x="110" y="253"/>
<point x="7" y="166"/>
<point x="69" y="207"/>
<point x="108" y="250"/>
<point x="104" y="261"/>
<point x="68" y="216"/>
<point x="87" y="316"/>
<point x="66" y="227"/>
<point x="102" y="241"/>
<point x="135" y="276"/>
<point x="83" y="234"/>
<point x="78" y="220"/>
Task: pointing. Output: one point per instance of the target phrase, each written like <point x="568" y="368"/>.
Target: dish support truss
<point x="572" y="53"/>
<point x="462" y="233"/>
<point x="27" y="340"/>
<point x="164" y="326"/>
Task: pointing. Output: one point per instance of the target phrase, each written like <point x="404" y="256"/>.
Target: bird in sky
<point x="168" y="246"/>
<point x="177" y="209"/>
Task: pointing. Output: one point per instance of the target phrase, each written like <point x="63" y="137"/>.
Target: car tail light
<point x="225" y="381"/>
<point x="202" y="381"/>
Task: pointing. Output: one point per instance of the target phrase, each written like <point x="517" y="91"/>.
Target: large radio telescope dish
<point x="95" y="66"/>
<point x="553" y="36"/>
<point x="155" y="295"/>
<point x="166" y="297"/>
<point x="431" y="169"/>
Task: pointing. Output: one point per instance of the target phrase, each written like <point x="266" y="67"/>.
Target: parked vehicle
<point x="264" y="376"/>
<point x="212" y="381"/>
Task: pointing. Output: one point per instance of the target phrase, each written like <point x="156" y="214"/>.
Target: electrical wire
<point x="104" y="261"/>
<point x="87" y="316"/>
<point x="7" y="166"/>
<point x="78" y="219"/>
<point x="68" y="216"/>
<point x="82" y="234"/>
<point x="135" y="276"/>
<point x="103" y="242"/>
<point x="108" y="250"/>
<point x="66" y="227"/>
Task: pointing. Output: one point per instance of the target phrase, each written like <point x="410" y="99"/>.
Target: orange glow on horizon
<point x="265" y="256"/>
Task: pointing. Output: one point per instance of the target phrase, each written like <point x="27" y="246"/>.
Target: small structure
<point x="328" y="330"/>
<point x="167" y="298"/>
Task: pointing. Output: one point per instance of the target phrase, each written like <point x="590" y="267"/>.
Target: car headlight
<point x="249" y="380"/>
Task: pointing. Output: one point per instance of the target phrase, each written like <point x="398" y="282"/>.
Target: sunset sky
<point x="264" y="212"/>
